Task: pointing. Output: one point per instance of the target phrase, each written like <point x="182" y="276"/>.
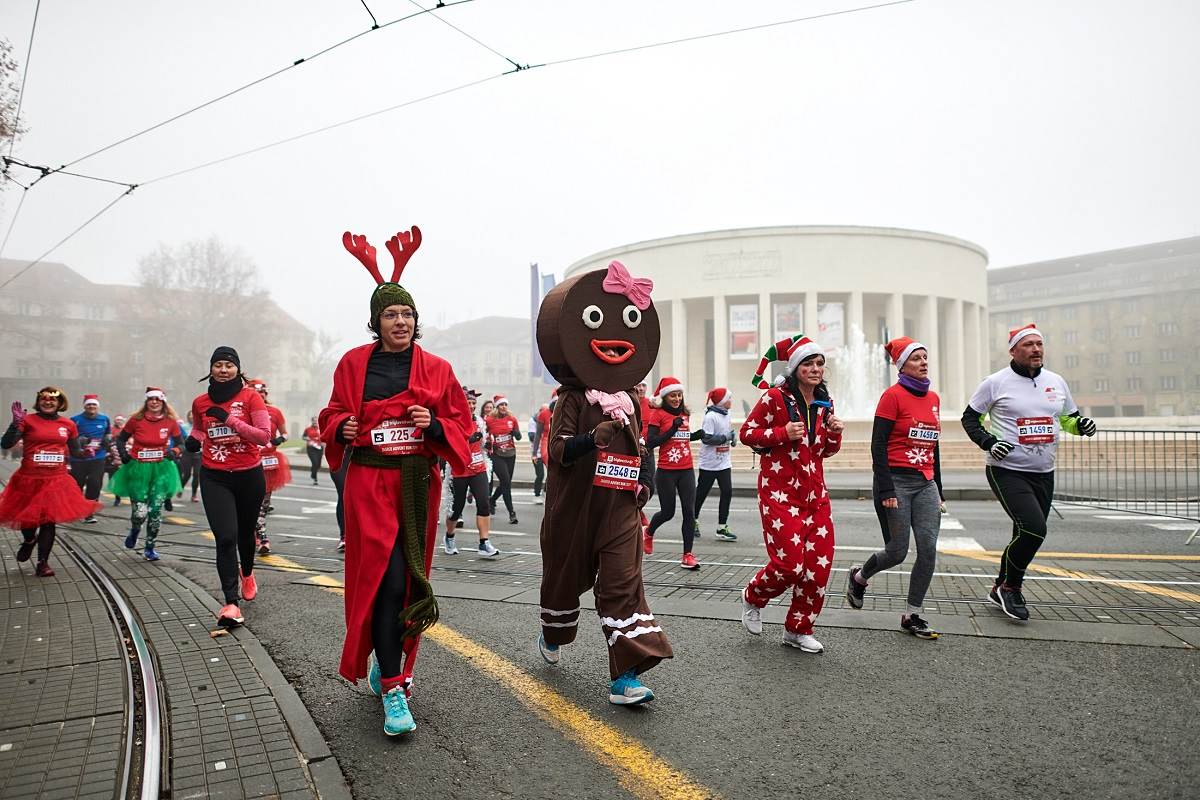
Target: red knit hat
<point x="900" y="348"/>
<point x="666" y="386"/>
<point x="1017" y="334"/>
<point x="718" y="395"/>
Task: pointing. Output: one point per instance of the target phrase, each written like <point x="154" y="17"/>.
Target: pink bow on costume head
<point x="619" y="281"/>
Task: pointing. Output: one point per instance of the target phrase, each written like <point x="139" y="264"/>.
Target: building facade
<point x="490" y="355"/>
<point x="724" y="296"/>
<point x="1121" y="326"/>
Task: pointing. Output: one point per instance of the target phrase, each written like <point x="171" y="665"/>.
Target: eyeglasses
<point x="392" y="316"/>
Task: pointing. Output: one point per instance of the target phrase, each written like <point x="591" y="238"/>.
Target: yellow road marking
<point x="1091" y="556"/>
<point x="179" y="520"/>
<point x="1161" y="591"/>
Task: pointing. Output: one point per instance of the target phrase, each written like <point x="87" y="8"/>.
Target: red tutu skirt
<point x="31" y="500"/>
<point x="281" y="475"/>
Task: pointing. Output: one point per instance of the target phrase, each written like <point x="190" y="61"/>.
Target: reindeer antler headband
<point x="402" y="246"/>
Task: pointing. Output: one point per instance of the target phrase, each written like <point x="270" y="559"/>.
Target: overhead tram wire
<point x="374" y="22"/>
<point x="13" y="222"/>
<point x="487" y="47"/>
<point x="257" y="81"/>
<point x="24" y="74"/>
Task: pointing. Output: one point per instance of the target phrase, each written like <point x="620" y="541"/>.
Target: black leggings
<point x="668" y="482"/>
<point x="503" y="467"/>
<point x="1026" y="498"/>
<point x="89" y="475"/>
<point x="339" y="483"/>
<point x="724" y="482"/>
<point x="314" y="460"/>
<point x="231" y="503"/>
<point x="189" y="469"/>
<point x="539" y="477"/>
<point x="478" y="484"/>
<point x="45" y="539"/>
<point x="392" y="597"/>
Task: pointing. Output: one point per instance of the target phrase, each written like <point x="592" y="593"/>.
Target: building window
<point x="138" y="357"/>
<point x="1071" y="361"/>
<point x="53" y="369"/>
<point x="1167" y="355"/>
<point x="1070" y="312"/>
<point x="1129" y="306"/>
<point x="24" y="369"/>
<point x="1166" y="382"/>
<point x="1100" y="334"/>
<point x="1133" y="331"/>
<point x="1071" y="337"/>
<point x="94" y="312"/>
<point x="1101" y="385"/>
<point x="93" y="370"/>
<point x="1101" y="359"/>
<point x="1097" y="308"/>
<point x="1133" y="384"/>
<point x="1133" y="357"/>
<point x="1168" y="329"/>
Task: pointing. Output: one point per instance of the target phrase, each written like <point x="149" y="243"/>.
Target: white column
<point x="854" y="313"/>
<point x="973" y="370"/>
<point x="984" y="344"/>
<point x="720" y="341"/>
<point x="766" y="336"/>
<point x="679" y="342"/>
<point x="895" y="315"/>
<point x="810" y="315"/>
<point x="927" y="324"/>
<point x="955" y="360"/>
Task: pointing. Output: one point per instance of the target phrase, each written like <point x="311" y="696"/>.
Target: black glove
<point x="517" y="435"/>
<point x="821" y="392"/>
<point x="278" y="440"/>
<point x="676" y="423"/>
<point x="1001" y="449"/>
<point x="474" y="437"/>
<point x="217" y="413"/>
<point x="192" y="444"/>
<point x="84" y="441"/>
<point x="125" y="457"/>
<point x="1087" y="426"/>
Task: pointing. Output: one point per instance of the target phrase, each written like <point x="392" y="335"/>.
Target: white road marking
<point x="319" y="510"/>
<point x="290" y="499"/>
<point x="951" y="524"/>
<point x="1174" y="526"/>
<point x="958" y="543"/>
<point x="284" y="516"/>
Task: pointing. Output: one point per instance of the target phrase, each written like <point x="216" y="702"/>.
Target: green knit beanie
<point x="390" y="294"/>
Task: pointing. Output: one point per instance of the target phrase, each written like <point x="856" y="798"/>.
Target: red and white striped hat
<point x="155" y="392"/>
<point x="1017" y="334"/>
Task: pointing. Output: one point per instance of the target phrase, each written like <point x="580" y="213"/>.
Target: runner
<point x="314" y="447"/>
<point x="669" y="430"/>
<point x="95" y="436"/>
<point x="644" y="412"/>
<point x="539" y="442"/>
<point x="112" y="459"/>
<point x="40" y="494"/>
<point x="1027" y="406"/>
<point x="793" y="428"/>
<point x="504" y="431"/>
<point x="716" y="461"/>
<point x="473" y="477"/>
<point x="589" y="535"/>
<point x="401" y="409"/>
<point x="147" y="476"/>
<point x="485" y="411"/>
<point x="189" y="463"/>
<point x="276" y="469"/>
<point x="907" y="484"/>
<point x="232" y="423"/>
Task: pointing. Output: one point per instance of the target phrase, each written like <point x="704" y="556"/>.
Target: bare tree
<point x="10" y="91"/>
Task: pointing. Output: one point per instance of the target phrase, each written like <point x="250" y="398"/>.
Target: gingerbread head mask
<point x="599" y="330"/>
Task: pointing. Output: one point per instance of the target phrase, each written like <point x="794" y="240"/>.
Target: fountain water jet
<point x="857" y="374"/>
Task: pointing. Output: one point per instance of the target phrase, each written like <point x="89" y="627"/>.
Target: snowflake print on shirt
<point x="918" y="455"/>
<point x="219" y="452"/>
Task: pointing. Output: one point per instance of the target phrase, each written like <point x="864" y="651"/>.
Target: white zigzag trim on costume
<point x="621" y="623"/>
<point x="633" y="634"/>
<point x="554" y="613"/>
<point x="560" y="624"/>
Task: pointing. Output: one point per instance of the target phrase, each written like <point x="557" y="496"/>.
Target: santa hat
<point x="155" y="392"/>
<point x="718" y="395"/>
<point x="500" y="400"/>
<point x="1017" y="334"/>
<point x="91" y="400"/>
<point x="666" y="386"/>
<point x="793" y="350"/>
<point x="257" y="384"/>
<point x="900" y="348"/>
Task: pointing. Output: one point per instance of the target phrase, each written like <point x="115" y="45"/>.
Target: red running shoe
<point x="230" y="616"/>
<point x="44" y="571"/>
<point x="249" y="587"/>
<point x="689" y="561"/>
<point x="647" y="543"/>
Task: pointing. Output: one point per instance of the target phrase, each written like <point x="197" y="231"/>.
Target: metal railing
<point x="1153" y="472"/>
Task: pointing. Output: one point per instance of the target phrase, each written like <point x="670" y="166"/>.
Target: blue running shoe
<point x="549" y="652"/>
<point x="132" y="538"/>
<point x="397" y="719"/>
<point x="374" y="679"/>
<point x="627" y="690"/>
<point x="151" y="554"/>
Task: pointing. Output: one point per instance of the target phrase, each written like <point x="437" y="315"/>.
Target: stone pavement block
<point x="1066" y="631"/>
<point x="1189" y="635"/>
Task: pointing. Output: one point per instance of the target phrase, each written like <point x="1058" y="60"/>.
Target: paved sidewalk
<point x="234" y="726"/>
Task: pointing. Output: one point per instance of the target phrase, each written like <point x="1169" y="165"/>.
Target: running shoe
<point x="486" y="550"/>
<point x="855" y="591"/>
<point x="805" y="641"/>
<point x="178" y="495"/>
<point x="132" y="538"/>
<point x="689" y="562"/>
<point x="751" y="616"/>
<point x="538" y="500"/>
<point x="397" y="719"/>
<point x="450" y="547"/>
<point x="26" y="549"/>
<point x="726" y="535"/>
<point x="375" y="678"/>
<point x="1010" y="601"/>
<point x="268" y="509"/>
<point x="627" y="690"/>
<point x="918" y="627"/>
<point x="151" y="554"/>
<point x="195" y="499"/>
<point x="90" y="519"/>
<point x="647" y="543"/>
<point x="512" y="519"/>
<point x="167" y="506"/>
<point x="116" y="501"/>
<point x="264" y="547"/>
<point x="43" y="570"/>
<point x="230" y="616"/>
<point x="458" y="524"/>
<point x="314" y="481"/>
<point x="249" y="587"/>
<point x="341" y="548"/>
<point x="550" y="652"/>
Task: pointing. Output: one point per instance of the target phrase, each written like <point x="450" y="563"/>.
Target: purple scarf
<point x="918" y="386"/>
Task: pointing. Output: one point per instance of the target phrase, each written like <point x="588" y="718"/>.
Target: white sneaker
<point x="805" y="641"/>
<point x="486" y="550"/>
<point x="450" y="547"/>
<point x="538" y="500"/>
<point x="550" y="652"/>
<point x="751" y="615"/>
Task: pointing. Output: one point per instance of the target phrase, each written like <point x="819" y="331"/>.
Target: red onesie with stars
<point x="796" y="514"/>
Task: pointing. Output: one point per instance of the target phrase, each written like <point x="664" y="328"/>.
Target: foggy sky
<point x="1034" y="129"/>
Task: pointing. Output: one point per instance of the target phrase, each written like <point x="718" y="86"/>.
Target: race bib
<point x="398" y="437"/>
<point x="722" y="449"/>
<point x="270" y="462"/>
<point x="49" y="459"/>
<point x="683" y="434"/>
<point x="1035" y="430"/>
<point x="221" y="432"/>
<point x="923" y="435"/>
<point x="503" y="441"/>
<point x="150" y="455"/>
<point x="477" y="459"/>
<point x="615" y="471"/>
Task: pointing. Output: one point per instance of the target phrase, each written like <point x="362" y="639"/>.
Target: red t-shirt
<point x="312" y="435"/>
<point x="223" y="449"/>
<point x="500" y="434"/>
<point x="645" y="409"/>
<point x="278" y="423"/>
<point x="916" y="431"/>
<point x="149" y="439"/>
<point x="676" y="452"/>
<point x="45" y="444"/>
<point x="543" y="423"/>
<point x="477" y="464"/>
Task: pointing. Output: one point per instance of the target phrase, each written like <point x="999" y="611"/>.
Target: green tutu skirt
<point x="141" y="480"/>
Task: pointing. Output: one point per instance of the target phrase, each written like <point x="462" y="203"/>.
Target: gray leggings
<point x="918" y="512"/>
